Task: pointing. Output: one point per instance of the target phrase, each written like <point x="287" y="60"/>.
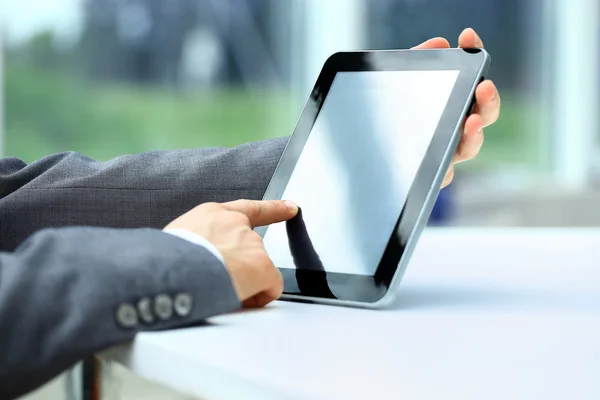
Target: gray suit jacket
<point x="81" y="268"/>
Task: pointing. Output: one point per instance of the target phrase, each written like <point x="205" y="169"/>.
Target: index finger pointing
<point x="264" y="212"/>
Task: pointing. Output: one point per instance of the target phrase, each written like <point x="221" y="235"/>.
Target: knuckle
<point x="255" y="237"/>
<point x="464" y="154"/>
<point x="239" y="202"/>
<point x="211" y="206"/>
<point x="474" y="153"/>
<point x="239" y="218"/>
<point x="450" y="174"/>
<point x="461" y="154"/>
<point x="252" y="239"/>
<point x="253" y="208"/>
<point x="279" y="206"/>
<point x="496" y="112"/>
<point x="249" y="207"/>
<point x="262" y="260"/>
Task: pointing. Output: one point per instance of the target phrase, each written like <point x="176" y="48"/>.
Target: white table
<point x="481" y="314"/>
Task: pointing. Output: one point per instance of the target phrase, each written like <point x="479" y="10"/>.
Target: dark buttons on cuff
<point x="144" y="310"/>
<point x="127" y="316"/>
<point x="163" y="307"/>
<point x="183" y="304"/>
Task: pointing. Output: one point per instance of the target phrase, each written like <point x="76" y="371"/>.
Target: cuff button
<point x="163" y="307"/>
<point x="144" y="310"/>
<point x="183" y="304"/>
<point x="127" y="316"/>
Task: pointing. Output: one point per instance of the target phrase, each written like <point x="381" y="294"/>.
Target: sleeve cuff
<point x="196" y="239"/>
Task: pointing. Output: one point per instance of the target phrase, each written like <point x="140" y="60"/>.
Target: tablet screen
<point x="354" y="174"/>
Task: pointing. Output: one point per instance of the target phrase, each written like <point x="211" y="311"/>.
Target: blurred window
<point x="107" y="77"/>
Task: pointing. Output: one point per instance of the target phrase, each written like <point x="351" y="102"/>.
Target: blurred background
<point x="108" y="77"/>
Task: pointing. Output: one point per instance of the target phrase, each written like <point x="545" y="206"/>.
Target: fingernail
<point x="480" y="129"/>
<point x="291" y="205"/>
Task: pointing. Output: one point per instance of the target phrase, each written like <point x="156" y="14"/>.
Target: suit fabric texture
<point x="83" y="263"/>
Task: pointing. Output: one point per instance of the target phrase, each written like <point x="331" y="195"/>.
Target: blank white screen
<point x="353" y="176"/>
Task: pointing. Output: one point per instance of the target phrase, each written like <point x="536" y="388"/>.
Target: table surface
<point x="481" y="313"/>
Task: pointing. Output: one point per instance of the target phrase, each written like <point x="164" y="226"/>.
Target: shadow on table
<point x="197" y="324"/>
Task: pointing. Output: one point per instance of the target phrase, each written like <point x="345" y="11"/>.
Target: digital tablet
<point x="365" y="164"/>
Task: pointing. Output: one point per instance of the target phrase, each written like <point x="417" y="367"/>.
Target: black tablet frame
<point x="472" y="65"/>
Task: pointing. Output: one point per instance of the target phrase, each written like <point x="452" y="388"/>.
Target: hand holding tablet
<point x="487" y="104"/>
<point x="365" y="164"/>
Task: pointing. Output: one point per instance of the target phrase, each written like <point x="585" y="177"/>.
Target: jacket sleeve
<point x="132" y="191"/>
<point x="68" y="293"/>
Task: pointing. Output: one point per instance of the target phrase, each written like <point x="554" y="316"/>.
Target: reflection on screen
<point x="356" y="169"/>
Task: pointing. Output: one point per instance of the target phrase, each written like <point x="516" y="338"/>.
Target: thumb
<point x="264" y="212"/>
<point x="435" y="43"/>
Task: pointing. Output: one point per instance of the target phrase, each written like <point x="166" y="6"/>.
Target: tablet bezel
<point x="365" y="290"/>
